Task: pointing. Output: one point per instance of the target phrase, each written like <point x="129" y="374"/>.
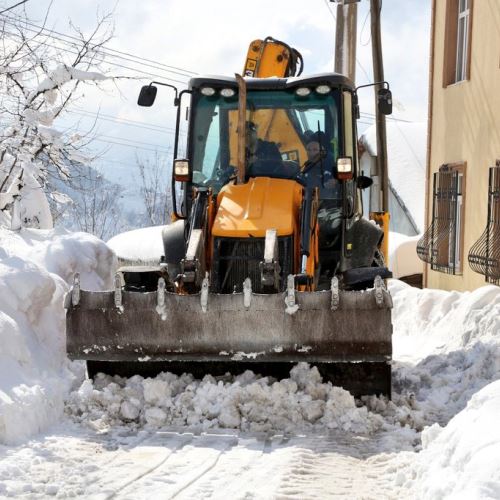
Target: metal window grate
<point x="484" y="255"/>
<point x="440" y="244"/>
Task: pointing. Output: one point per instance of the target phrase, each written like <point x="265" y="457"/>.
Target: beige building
<point x="461" y="245"/>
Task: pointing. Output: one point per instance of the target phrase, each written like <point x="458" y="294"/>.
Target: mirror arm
<point x="384" y="83"/>
<point x="176" y="98"/>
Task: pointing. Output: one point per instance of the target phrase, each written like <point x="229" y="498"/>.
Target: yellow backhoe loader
<point x="269" y="261"/>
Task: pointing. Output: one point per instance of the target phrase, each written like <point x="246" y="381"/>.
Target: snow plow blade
<point x="318" y="327"/>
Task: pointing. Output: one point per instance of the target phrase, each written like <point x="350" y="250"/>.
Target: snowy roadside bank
<point x="35" y="374"/>
<point x="446" y="346"/>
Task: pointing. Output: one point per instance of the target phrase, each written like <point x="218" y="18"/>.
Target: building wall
<point x="466" y="127"/>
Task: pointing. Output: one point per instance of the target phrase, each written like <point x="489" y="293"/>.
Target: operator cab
<point x="296" y="128"/>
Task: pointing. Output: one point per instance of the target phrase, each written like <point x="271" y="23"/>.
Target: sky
<point x="181" y="38"/>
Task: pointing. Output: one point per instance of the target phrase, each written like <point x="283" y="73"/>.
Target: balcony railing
<point x="440" y="245"/>
<point x="484" y="255"/>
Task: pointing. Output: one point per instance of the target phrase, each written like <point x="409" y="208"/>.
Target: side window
<point x="349" y="151"/>
<point x="312" y="119"/>
<point x="348" y="126"/>
<point x="212" y="158"/>
<point x="458" y="32"/>
<point x="183" y="126"/>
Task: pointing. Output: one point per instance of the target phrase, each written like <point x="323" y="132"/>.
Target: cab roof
<point x="335" y="80"/>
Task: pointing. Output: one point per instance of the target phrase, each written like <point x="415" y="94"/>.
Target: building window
<point x="457" y="41"/>
<point x="441" y="246"/>
<point x="484" y="255"/>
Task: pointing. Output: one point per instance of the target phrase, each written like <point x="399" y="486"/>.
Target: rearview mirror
<point x="147" y="96"/>
<point x="363" y="182"/>
<point x="384" y="101"/>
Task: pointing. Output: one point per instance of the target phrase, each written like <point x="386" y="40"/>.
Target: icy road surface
<point x="148" y="465"/>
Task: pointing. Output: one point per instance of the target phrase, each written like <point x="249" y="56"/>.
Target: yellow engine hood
<point x="262" y="203"/>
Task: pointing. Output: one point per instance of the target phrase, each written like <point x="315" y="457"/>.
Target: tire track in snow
<point x="340" y="467"/>
<point x="148" y="470"/>
<point x="199" y="476"/>
<point x="174" y="476"/>
<point x="253" y="469"/>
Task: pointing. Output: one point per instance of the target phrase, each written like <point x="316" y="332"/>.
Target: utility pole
<point x="378" y="75"/>
<point x="345" y="38"/>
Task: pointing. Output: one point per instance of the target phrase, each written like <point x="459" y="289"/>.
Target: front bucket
<point x="323" y="327"/>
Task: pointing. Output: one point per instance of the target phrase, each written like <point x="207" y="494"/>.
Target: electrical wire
<point x="153" y="150"/>
<point x="368" y="79"/>
<point x="106" y="51"/>
<point x="122" y="121"/>
<point x="363" y="29"/>
<point x="113" y="64"/>
<point x="13" y="6"/>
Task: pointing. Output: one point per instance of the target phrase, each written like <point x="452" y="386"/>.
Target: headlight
<point x="344" y="168"/>
<point x="208" y="91"/>
<point x="303" y="91"/>
<point x="323" y="89"/>
<point x="181" y="170"/>
<point x="227" y="92"/>
<point x="344" y="165"/>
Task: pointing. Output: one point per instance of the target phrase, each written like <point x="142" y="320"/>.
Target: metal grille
<point x="238" y="258"/>
<point x="440" y="244"/>
<point x="484" y="256"/>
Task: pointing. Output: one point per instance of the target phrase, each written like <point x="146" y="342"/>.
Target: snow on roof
<point x="143" y="245"/>
<point x="406" y="153"/>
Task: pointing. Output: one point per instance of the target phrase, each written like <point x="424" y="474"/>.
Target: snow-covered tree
<point x="38" y="80"/>
<point x="96" y="208"/>
<point x="155" y="189"/>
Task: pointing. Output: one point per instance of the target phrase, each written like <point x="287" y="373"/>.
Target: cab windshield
<point x="287" y="136"/>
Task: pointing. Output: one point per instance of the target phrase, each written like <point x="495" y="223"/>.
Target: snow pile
<point x="143" y="245"/>
<point x="35" y="374"/>
<point x="403" y="258"/>
<point x="446" y="346"/>
<point x="247" y="402"/>
<point x="462" y="460"/>
<point x="447" y="352"/>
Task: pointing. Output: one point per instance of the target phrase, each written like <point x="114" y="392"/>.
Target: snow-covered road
<point x="74" y="462"/>
<point x="245" y="436"/>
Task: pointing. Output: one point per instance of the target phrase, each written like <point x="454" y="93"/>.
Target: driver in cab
<point x="263" y="158"/>
<point x="317" y="170"/>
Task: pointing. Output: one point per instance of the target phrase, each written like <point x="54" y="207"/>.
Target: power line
<point x="123" y="121"/>
<point x="155" y="150"/>
<point x="13" y="7"/>
<point x="132" y="140"/>
<point x="372" y="116"/>
<point x="75" y="52"/>
<point x="165" y="164"/>
<point x="106" y="51"/>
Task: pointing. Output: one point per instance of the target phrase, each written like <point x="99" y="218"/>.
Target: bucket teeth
<point x="205" y="286"/>
<point x="75" y="291"/>
<point x="247" y="293"/>
<point x="378" y="285"/>
<point x="291" y="306"/>
<point x="118" y="292"/>
<point x="335" y="293"/>
<point x="160" y="299"/>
